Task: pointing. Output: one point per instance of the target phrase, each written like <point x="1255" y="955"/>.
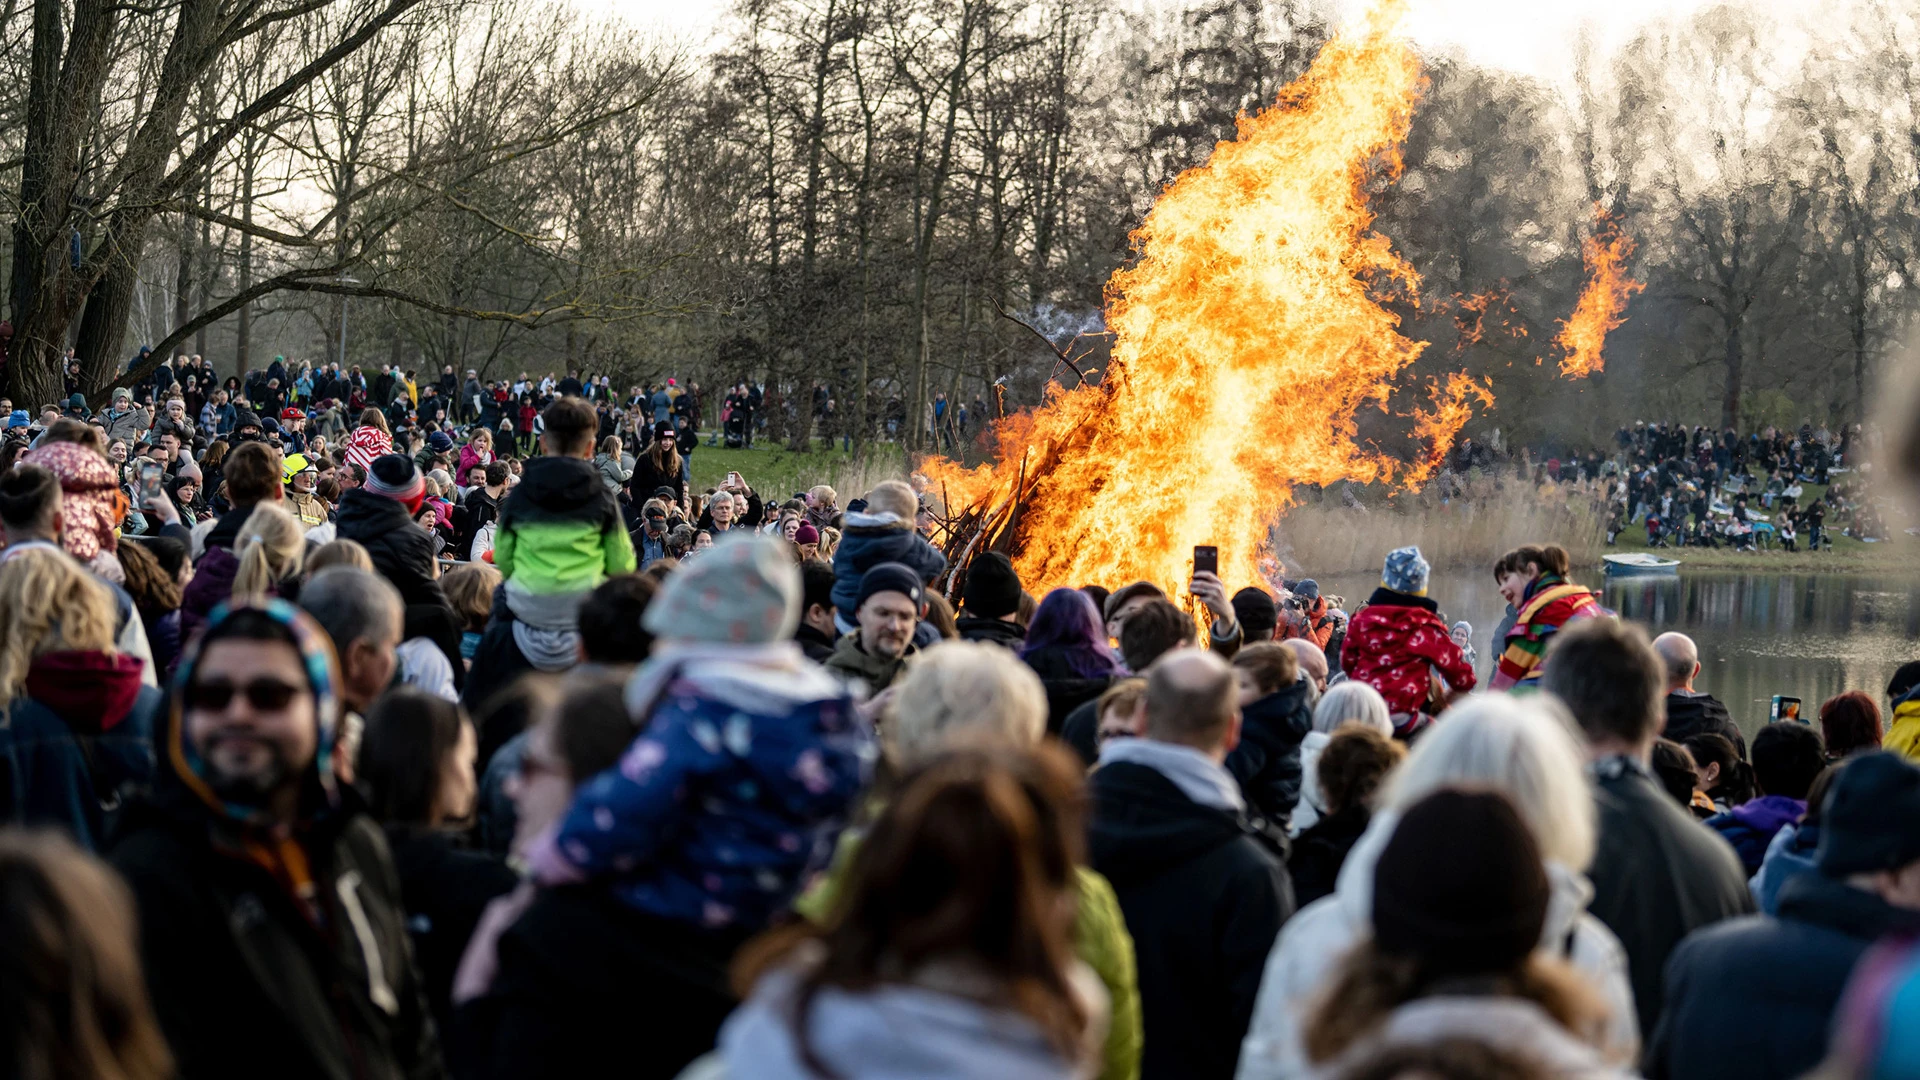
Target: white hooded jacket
<point x="1313" y="942"/>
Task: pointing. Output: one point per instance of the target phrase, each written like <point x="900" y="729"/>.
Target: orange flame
<point x="1603" y="304"/>
<point x="1246" y="339"/>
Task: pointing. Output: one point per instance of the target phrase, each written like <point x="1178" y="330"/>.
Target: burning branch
<point x="1603" y="304"/>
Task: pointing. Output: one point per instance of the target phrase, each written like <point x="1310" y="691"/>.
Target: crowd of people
<point x="1774" y="489"/>
<point x="409" y="748"/>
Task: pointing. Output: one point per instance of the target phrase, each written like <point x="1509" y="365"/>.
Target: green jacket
<point x="560" y="530"/>
<point x="850" y="661"/>
<point x="1099" y="937"/>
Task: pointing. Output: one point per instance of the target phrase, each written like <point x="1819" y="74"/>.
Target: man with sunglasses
<point x="272" y="927"/>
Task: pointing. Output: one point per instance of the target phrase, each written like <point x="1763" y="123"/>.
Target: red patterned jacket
<point x="1393" y="644"/>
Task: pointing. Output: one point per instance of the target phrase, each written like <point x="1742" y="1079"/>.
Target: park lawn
<point x="777" y="473"/>
<point x="1899" y="553"/>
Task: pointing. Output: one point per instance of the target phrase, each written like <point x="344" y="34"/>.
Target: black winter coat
<point x="647" y="479"/>
<point x="446" y="890"/>
<point x="1267" y="761"/>
<point x="816" y="645"/>
<point x="584" y="981"/>
<point x="402" y="552"/>
<point x="1067" y="690"/>
<point x="1701" y="714"/>
<point x="1753" y="998"/>
<point x="1658" y="875"/>
<point x="1321" y="850"/>
<point x="1203" y="900"/>
<point x="244" y="985"/>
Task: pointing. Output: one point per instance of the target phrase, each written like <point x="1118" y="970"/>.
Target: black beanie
<point x="890" y="577"/>
<point x="1871" y="819"/>
<point x="993" y="587"/>
<point x="1257" y="612"/>
<point x="1460" y="886"/>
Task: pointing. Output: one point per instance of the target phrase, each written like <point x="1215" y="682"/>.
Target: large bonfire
<point x="1246" y="338"/>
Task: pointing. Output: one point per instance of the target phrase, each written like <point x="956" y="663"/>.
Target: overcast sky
<point x="1530" y="36"/>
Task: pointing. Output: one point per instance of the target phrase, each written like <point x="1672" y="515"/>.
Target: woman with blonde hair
<point x="272" y="549"/>
<point x="62" y="680"/>
<point x="73" y="1004"/>
<point x="970" y="694"/>
<point x="1521" y="748"/>
<point x="372" y="439"/>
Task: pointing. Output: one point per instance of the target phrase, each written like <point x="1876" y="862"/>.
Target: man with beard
<point x="890" y="605"/>
<point x="271" y="922"/>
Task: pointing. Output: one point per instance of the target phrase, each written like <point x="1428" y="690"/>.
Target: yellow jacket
<point x="1903" y="734"/>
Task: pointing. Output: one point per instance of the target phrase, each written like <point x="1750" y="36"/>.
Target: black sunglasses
<point x="265" y="695"/>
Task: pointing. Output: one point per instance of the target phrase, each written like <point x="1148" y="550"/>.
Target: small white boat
<point x="1641" y="564"/>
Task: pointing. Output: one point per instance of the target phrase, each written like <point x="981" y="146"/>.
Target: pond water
<point x="1808" y="636"/>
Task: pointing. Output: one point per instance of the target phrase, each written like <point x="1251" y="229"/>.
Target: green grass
<point x="1898" y="553"/>
<point x="776" y="473"/>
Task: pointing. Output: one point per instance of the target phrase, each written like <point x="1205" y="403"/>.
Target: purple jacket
<point x="1750" y="826"/>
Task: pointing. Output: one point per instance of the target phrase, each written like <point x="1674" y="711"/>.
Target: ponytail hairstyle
<point x="1545" y="558"/>
<point x="1735" y="783"/>
<point x="272" y="548"/>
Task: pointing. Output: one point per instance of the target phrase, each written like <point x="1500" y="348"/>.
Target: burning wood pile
<point x="1246" y="337"/>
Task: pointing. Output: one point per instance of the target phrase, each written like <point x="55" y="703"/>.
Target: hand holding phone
<point x="1206" y="559"/>
<point x="150" y="489"/>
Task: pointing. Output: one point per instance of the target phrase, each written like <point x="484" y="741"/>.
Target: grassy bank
<point x="1898" y="554"/>
<point x="777" y="473"/>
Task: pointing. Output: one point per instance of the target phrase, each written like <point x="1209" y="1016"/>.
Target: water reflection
<point x="1809" y="636"/>
<point x="1806" y="635"/>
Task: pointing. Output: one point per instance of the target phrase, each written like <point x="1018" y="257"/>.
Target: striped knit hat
<point x="396" y="477"/>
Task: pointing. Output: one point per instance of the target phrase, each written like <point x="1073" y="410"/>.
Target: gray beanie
<point x="745" y="590"/>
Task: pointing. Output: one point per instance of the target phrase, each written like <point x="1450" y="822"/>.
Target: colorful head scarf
<point x="87" y="489"/>
<point x="316" y="655"/>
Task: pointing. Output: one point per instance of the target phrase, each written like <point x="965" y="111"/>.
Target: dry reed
<point x="1484" y="519"/>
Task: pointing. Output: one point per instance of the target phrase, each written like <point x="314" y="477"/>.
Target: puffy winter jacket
<point x="1751" y="826"/>
<point x="1393" y="644"/>
<point x="1267" y="761"/>
<point x="737" y="784"/>
<point x="869" y="540"/>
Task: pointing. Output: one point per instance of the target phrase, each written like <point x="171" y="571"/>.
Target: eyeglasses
<point x="265" y="695"/>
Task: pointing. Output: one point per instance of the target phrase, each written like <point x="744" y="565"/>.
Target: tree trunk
<point x="1736" y="361"/>
<point x="923" y="254"/>
<point x="103" y="326"/>
<point x="64" y="77"/>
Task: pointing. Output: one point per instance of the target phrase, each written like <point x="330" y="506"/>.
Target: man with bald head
<point x="1313" y="662"/>
<point x="1690" y="712"/>
<point x="1202" y="898"/>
